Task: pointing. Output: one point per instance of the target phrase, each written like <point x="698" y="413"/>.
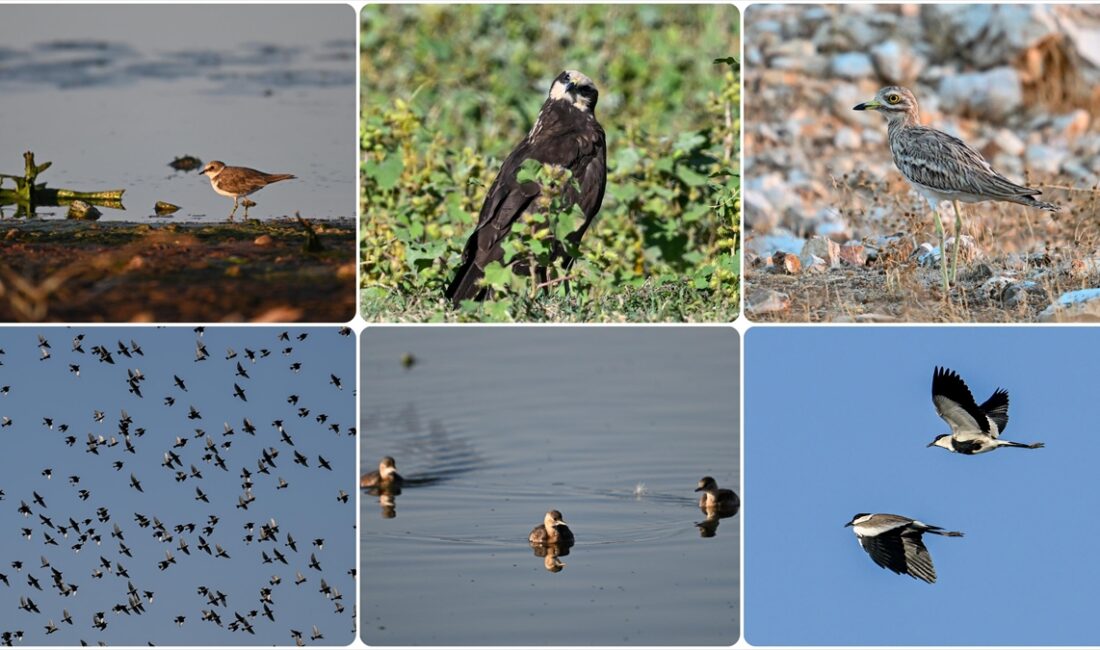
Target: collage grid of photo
<point x="405" y="324"/>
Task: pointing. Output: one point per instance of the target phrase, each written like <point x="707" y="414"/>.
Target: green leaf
<point x="387" y="172"/>
<point x="528" y="171"/>
<point x="690" y="177"/>
<point x="497" y="275"/>
<point x="689" y="141"/>
<point x="499" y="310"/>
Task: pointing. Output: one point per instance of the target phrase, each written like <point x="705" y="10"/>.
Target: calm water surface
<point x="112" y="94"/>
<point x="494" y="426"/>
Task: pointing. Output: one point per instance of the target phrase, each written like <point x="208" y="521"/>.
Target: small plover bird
<point x="894" y="542"/>
<point x="239" y="182"/>
<point x="974" y="429"/>
<point x="941" y="167"/>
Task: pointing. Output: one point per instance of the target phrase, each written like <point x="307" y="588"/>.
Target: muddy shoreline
<point x="176" y="272"/>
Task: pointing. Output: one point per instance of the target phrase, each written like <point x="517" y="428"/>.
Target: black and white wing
<point x="956" y="405"/>
<point x="902" y="552"/>
<point x="996" y="409"/>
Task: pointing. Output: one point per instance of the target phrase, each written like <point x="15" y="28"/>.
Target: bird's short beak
<point x="561" y="522"/>
<point x="931" y="444"/>
<point x="847" y="524"/>
<point x="699" y="488"/>
<point x="867" y="106"/>
<point x="570" y="87"/>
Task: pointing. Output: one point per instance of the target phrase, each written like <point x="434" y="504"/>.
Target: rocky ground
<point x="835" y="233"/>
<point x="124" y="272"/>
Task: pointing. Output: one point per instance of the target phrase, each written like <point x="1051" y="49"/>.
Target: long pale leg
<point x="958" y="241"/>
<point x="943" y="247"/>
<point x="234" y="208"/>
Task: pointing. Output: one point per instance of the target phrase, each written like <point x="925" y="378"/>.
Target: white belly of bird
<point x="935" y="196"/>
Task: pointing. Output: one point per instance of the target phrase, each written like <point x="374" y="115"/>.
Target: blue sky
<point x="306" y="509"/>
<point x="836" y="423"/>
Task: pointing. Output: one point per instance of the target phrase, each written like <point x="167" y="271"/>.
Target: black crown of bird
<point x="567" y="135"/>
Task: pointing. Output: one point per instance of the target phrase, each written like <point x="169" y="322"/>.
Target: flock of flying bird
<point x="895" y="542"/>
<point x="182" y="518"/>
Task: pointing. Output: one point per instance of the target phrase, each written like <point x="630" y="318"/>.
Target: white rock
<point x="1048" y="160"/>
<point x="760" y="215"/>
<point x="826" y="249"/>
<point x="815" y="264"/>
<point x="766" y="301"/>
<point x="993" y="93"/>
<point x="1082" y="306"/>
<point x="895" y="62"/>
<point x="847" y="138"/>
<point x="779" y="239"/>
<point x="1008" y="142"/>
<point x="986" y="35"/>
<point x="851" y="65"/>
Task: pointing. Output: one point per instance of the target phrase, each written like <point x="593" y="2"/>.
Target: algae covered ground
<point x="127" y="272"/>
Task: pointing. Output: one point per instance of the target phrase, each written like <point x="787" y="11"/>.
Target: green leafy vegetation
<point x="448" y="91"/>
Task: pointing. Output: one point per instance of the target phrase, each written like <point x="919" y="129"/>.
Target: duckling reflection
<point x="388" y="505"/>
<point x="715" y="498"/>
<point x="709" y="526"/>
<point x="551" y="540"/>
<point x="553" y="531"/>
<point x="716" y="504"/>
<point x="386" y="478"/>
<point x="550" y="555"/>
<point x="385" y="484"/>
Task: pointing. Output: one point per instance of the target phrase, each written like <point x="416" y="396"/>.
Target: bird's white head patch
<point x="575" y="88"/>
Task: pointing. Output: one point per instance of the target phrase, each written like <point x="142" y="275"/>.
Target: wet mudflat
<point x="252" y="271"/>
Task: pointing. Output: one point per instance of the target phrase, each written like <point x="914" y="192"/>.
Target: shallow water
<point x="612" y="426"/>
<point x="112" y="94"/>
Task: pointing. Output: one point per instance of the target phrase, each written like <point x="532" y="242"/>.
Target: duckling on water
<point x="385" y="477"/>
<point x="553" y="531"/>
<point x="713" y="497"/>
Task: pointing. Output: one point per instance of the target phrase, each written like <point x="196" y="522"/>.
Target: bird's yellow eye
<point x="893" y="99"/>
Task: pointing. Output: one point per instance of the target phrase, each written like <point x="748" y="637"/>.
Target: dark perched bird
<point x="974" y="429"/>
<point x="566" y="135"/>
<point x="894" y="542"/>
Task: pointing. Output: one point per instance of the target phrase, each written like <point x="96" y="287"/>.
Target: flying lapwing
<point x="974" y="429"/>
<point x="894" y="543"/>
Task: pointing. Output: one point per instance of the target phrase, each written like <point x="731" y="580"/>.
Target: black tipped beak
<point x="860" y="107"/>
<point x="931" y="444"/>
<point x="847" y="524"/>
<point x="698" y="489"/>
<point x="570" y="87"/>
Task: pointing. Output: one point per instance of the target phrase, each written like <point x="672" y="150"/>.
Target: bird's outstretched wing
<point x="902" y="552"/>
<point x="955" y="404"/>
<point x="996" y="408"/>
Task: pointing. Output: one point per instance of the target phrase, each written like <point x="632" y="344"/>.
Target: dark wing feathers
<point x="562" y="136"/>
<point x="902" y="552"/>
<point x="953" y="400"/>
<point x="996" y="407"/>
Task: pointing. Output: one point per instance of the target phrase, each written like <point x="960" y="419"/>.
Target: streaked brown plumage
<point x="942" y="167"/>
